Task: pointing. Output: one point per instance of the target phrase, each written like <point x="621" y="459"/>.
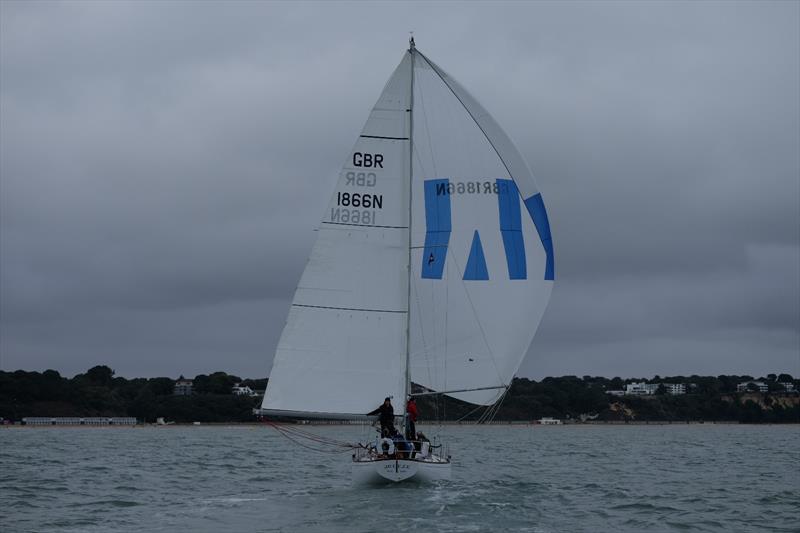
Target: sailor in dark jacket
<point x="386" y="418"/>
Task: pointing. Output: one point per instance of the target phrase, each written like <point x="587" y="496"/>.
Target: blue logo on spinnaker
<point x="438" y="222"/>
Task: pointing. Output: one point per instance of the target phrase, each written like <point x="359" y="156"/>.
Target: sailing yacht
<point x="433" y="264"/>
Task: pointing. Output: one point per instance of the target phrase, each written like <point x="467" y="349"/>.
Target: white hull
<point x="381" y="471"/>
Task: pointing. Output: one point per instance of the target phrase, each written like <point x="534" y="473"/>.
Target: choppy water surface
<point x="506" y="478"/>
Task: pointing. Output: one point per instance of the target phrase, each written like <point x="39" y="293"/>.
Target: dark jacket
<point x="386" y="413"/>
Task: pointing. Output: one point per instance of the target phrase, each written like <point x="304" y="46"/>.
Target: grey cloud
<point x="163" y="165"/>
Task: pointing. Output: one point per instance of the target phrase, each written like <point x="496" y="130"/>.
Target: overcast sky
<point x="163" y="167"/>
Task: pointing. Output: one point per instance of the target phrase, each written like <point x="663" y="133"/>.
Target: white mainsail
<point x="344" y="344"/>
<point x="480" y="249"/>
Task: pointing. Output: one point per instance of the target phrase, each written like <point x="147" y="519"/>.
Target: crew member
<point x="411" y="408"/>
<point x="386" y="417"/>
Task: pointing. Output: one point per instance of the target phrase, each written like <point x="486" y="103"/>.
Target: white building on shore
<point x="641" y="389"/>
<point x="743" y="387"/>
<point x="549" y="421"/>
<point x="79" y="421"/>
<point x="183" y="387"/>
<point x="675" y="389"/>
<point x="238" y="390"/>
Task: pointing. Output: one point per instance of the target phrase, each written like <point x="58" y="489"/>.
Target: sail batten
<point x="316" y="415"/>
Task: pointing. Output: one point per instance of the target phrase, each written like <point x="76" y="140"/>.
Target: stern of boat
<point x="369" y="469"/>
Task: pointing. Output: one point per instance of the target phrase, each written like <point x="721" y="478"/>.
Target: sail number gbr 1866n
<point x="356" y="208"/>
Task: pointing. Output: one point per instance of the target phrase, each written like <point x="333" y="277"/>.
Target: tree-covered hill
<point x="99" y="392"/>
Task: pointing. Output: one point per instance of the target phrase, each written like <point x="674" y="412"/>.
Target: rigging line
<point x="300" y="434"/>
<point x="499" y="404"/>
<point x="280" y="429"/>
<point x="425" y="351"/>
<point x="477" y="318"/>
<point x="418" y="159"/>
<point x="419" y="309"/>
<point x="495" y="408"/>
<point x="439" y="73"/>
<point x="308" y="434"/>
<point x="484" y="415"/>
<point x="427" y="131"/>
<point x="488" y="415"/>
<point x="446" y="325"/>
<point x="491" y="410"/>
<point x="470" y="413"/>
<point x="318" y="438"/>
<point x="298" y="443"/>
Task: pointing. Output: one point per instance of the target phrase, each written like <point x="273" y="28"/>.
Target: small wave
<point x="112" y="503"/>
<point x="233" y="499"/>
<point x="638" y="506"/>
<point x="679" y="525"/>
<point x="23" y="504"/>
<point x="128" y="488"/>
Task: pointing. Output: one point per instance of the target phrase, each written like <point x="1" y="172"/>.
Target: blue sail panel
<point x="476" y="264"/>
<point x="535" y="206"/>
<point x="511" y="228"/>
<point x="438" y="228"/>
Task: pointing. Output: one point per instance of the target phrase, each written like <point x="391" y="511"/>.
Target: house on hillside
<point x="745" y="386"/>
<point x="675" y="389"/>
<point x="239" y="390"/>
<point x="641" y="389"/>
<point x="183" y="387"/>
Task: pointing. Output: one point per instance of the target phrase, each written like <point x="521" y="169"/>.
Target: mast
<point x="411" y="50"/>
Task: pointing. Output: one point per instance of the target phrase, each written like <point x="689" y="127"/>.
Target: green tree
<point x="161" y="386"/>
<point x="751" y="413"/>
<point x="100" y="375"/>
<point x="145" y="406"/>
<point x="774" y="386"/>
<point x="216" y="383"/>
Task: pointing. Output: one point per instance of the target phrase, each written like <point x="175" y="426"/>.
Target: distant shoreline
<point x="420" y="424"/>
<point x="220" y="398"/>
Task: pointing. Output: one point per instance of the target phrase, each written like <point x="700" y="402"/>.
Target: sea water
<point x="696" y="477"/>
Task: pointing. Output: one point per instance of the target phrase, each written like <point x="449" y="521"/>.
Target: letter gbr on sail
<point x="481" y="259"/>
